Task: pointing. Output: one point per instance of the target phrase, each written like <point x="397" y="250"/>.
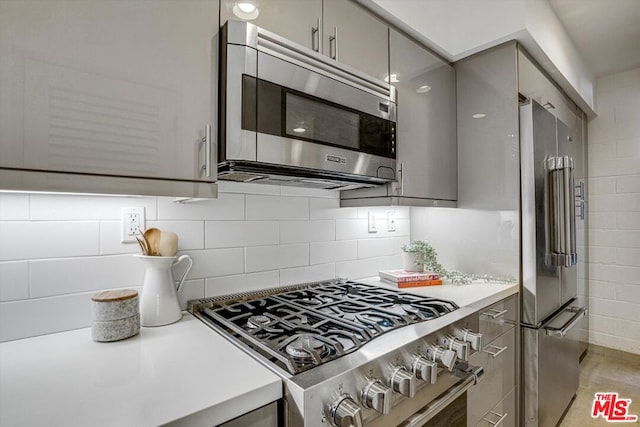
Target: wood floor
<point x="605" y="370"/>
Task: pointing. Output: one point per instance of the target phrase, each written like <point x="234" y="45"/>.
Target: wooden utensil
<point x="152" y="236"/>
<point x="168" y="245"/>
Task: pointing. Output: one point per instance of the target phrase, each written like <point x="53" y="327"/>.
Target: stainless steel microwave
<point x="289" y="115"/>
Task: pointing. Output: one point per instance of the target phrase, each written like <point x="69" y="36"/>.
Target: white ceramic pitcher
<point x="159" y="303"/>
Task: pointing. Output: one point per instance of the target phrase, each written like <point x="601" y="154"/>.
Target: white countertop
<point x="183" y="373"/>
<point x="475" y="295"/>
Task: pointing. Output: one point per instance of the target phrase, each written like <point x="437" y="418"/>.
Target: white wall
<point x="57" y="251"/>
<point x="614" y="213"/>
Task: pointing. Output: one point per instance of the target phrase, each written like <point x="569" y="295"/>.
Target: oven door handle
<point x="433" y="408"/>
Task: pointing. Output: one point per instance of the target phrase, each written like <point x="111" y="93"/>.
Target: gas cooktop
<point x="303" y="326"/>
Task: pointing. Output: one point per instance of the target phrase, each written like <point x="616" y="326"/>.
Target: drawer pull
<point x="494" y="313"/>
<point x="501" y="418"/>
<point x="497" y="351"/>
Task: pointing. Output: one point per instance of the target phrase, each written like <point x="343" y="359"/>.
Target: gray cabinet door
<point x="426" y="134"/>
<point x="354" y="37"/>
<point x="295" y="20"/>
<point x="113" y="88"/>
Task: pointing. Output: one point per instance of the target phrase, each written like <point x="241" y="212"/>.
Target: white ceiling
<point x="606" y="32"/>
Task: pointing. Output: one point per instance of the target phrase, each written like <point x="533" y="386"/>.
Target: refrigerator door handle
<point x="560" y="226"/>
<point x="578" y="314"/>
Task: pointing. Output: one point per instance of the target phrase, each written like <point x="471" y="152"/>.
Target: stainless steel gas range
<point x="352" y="354"/>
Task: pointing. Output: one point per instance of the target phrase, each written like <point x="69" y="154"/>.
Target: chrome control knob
<point x="462" y="348"/>
<point x="345" y="412"/>
<point x="466" y="335"/>
<point x="403" y="382"/>
<point x="376" y="396"/>
<point x="444" y="356"/>
<point x="425" y="370"/>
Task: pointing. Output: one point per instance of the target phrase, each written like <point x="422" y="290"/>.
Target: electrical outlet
<point x="373" y="227"/>
<point x="391" y="221"/>
<point x="132" y="221"/>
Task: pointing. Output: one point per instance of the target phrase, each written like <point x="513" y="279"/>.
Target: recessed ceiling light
<point x="394" y="79"/>
<point x="299" y="130"/>
<point x="246" y="10"/>
<point x="423" y="89"/>
<point x="479" y="116"/>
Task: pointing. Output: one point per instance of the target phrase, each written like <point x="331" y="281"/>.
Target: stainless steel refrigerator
<point x="550" y="340"/>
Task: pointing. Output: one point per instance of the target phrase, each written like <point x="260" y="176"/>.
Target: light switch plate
<point x="391" y="221"/>
<point x="373" y="227"/>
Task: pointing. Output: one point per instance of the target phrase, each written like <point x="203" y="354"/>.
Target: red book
<point x="416" y="283"/>
<point x="403" y="276"/>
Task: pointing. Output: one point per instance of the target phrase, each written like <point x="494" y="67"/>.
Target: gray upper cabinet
<point x="108" y="96"/>
<point x="355" y="38"/>
<point x="295" y="20"/>
<point x="339" y="29"/>
<point x="426" y="131"/>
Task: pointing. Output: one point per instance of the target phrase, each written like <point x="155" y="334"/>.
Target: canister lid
<point x="111" y="296"/>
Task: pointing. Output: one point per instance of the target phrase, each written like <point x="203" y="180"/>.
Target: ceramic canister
<point x="116" y="315"/>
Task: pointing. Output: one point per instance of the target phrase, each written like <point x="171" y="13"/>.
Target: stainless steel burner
<point x="305" y="346"/>
<point x="255" y="322"/>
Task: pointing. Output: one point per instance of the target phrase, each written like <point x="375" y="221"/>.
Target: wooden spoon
<point x="152" y="236"/>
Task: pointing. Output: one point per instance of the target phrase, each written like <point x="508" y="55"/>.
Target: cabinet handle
<point x="401" y="172"/>
<point x="315" y="36"/>
<point x="497" y="353"/>
<point x="206" y="140"/>
<point x="333" y="44"/>
<point x="501" y="418"/>
<point x="494" y="313"/>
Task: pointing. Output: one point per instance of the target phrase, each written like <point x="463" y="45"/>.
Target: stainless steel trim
<point x="497" y="353"/>
<point x="501" y="418"/>
<point x="333" y="42"/>
<point x="433" y="408"/>
<point x="401" y="173"/>
<point x="495" y="313"/>
<point x="579" y="312"/>
<point x="315" y="36"/>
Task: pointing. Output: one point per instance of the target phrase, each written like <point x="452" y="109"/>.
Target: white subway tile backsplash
<point x="602" y="255"/>
<point x="601" y="185"/>
<point x="607" y="325"/>
<point x="282" y="208"/>
<point x="602" y="220"/>
<point x="628" y="256"/>
<point x="74" y="275"/>
<point x="14" y="280"/>
<point x="325" y="252"/>
<point x="29" y="240"/>
<point x="330" y="209"/>
<point x="262" y="258"/>
<point x="628" y="220"/>
<point x="602" y="289"/>
<point x="362" y="268"/>
<point x="350" y="229"/>
<point x="613" y="166"/>
<point x="313" y="273"/>
<point x="615" y="203"/>
<point x="629" y="183"/>
<point x="225" y="207"/>
<point x="614" y="273"/>
<point x="614" y="341"/>
<point x="381" y="213"/>
<point x="307" y="231"/>
<point x="213" y="262"/>
<point x="629" y="148"/>
<point x="190" y="233"/>
<point x="49" y="207"/>
<point x="629" y="329"/>
<point x="242" y="283"/>
<point x="110" y="240"/>
<point x="615" y="238"/>
<point x="629" y="293"/>
<point x="191" y="289"/>
<point x="370" y="248"/>
<point x="225" y="234"/>
<point x="14" y="207"/>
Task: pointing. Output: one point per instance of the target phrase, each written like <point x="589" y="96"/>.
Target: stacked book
<point x="410" y="279"/>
